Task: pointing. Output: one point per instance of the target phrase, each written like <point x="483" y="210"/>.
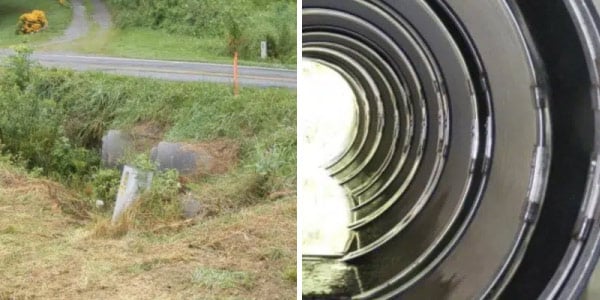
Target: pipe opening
<point x="327" y="126"/>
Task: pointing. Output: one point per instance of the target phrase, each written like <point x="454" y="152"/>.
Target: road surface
<point x="168" y="70"/>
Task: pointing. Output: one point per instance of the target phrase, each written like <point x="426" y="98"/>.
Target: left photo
<point x="148" y="149"/>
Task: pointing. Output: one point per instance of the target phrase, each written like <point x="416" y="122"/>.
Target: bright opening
<point x="327" y="118"/>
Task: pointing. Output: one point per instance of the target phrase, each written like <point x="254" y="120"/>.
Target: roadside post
<point x="263" y="50"/>
<point x="236" y="86"/>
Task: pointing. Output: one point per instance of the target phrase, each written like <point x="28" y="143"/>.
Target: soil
<point x="224" y="155"/>
<point x="146" y="135"/>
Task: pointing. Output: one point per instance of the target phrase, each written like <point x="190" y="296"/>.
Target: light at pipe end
<point x="327" y="117"/>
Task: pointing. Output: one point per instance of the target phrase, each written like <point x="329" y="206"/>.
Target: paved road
<point x="169" y="70"/>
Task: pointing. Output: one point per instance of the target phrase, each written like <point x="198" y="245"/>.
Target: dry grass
<point x="104" y="228"/>
<point x="224" y="153"/>
<point x="47" y="254"/>
<point x="231" y="192"/>
<point x="15" y="184"/>
<point x="146" y="135"/>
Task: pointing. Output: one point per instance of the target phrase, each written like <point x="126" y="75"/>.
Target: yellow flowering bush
<point x="32" y="22"/>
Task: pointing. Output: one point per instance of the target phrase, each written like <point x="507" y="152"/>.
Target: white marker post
<point x="133" y="182"/>
<point x="263" y="50"/>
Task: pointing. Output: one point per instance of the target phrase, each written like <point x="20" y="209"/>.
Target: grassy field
<point x="157" y="44"/>
<point x="58" y="16"/>
<point x="54" y="243"/>
<point x="174" y="37"/>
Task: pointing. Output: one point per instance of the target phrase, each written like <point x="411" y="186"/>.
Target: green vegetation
<point x="159" y="44"/>
<point x="58" y="16"/>
<point x="52" y="122"/>
<point x="214" y="26"/>
<point x="224" y="279"/>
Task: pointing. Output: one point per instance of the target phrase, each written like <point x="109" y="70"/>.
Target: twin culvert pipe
<point x="473" y="170"/>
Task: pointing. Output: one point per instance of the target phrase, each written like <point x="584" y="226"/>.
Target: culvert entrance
<point x="478" y="125"/>
<point x="326" y="139"/>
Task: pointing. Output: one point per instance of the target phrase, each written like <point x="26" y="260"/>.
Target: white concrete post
<point x="263" y="50"/>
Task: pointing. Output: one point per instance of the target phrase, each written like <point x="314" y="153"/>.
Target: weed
<point x="231" y="192"/>
<point x="103" y="228"/>
<point x="224" y="279"/>
<point x="19" y="66"/>
<point x="9" y="230"/>
<point x="274" y="253"/>
<point x="105" y="184"/>
<point x="30" y="126"/>
<point x="53" y="127"/>
<point x="235" y="38"/>
<point x="290" y="274"/>
<point x="160" y="204"/>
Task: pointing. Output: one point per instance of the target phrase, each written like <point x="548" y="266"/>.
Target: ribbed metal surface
<point x="473" y="171"/>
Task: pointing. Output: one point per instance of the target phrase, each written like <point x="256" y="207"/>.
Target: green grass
<point x="134" y="41"/>
<point x="224" y="279"/>
<point x="158" y="44"/>
<point x="58" y="16"/>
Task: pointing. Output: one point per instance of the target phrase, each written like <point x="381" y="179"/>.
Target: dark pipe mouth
<point x="472" y="172"/>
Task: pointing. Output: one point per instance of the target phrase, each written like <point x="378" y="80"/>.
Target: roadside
<point x="151" y="44"/>
<point x="78" y="27"/>
<point x="92" y="33"/>
<point x="10" y="10"/>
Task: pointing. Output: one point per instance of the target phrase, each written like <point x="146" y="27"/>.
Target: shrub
<point x="31" y="126"/>
<point x="70" y="162"/>
<point x="19" y="67"/>
<point x="105" y="185"/>
<point x="32" y="22"/>
<point x="161" y="202"/>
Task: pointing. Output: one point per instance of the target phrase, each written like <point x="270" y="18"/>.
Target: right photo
<point x="448" y="149"/>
